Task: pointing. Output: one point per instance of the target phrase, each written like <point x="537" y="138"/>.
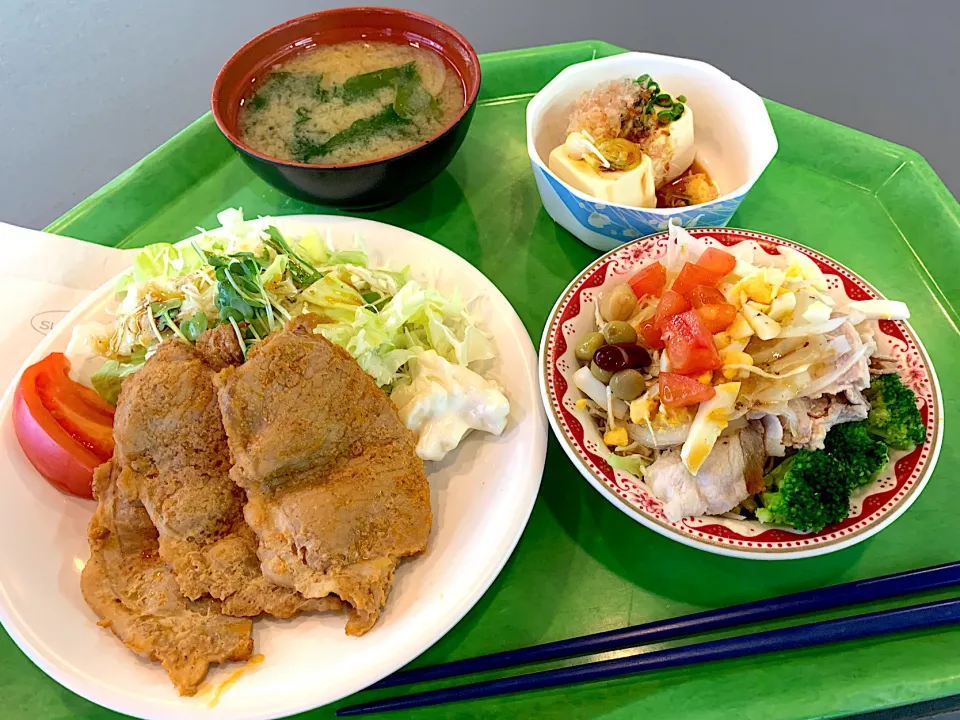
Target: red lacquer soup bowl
<point x="362" y="185"/>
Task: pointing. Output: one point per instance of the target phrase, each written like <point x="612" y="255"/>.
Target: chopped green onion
<point x="663" y="100"/>
<point x="681" y="98"/>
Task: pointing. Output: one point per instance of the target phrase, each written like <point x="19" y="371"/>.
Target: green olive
<point x="618" y="303"/>
<point x="588" y="346"/>
<point x="619" y="332"/>
<point x="627" y="385"/>
<point x="601" y="375"/>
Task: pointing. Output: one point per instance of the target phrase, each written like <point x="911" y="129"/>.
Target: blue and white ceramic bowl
<point x="734" y="139"/>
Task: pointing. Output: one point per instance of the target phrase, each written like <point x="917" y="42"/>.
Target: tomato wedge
<point x="677" y="391"/>
<point x="717" y="261"/>
<point x="706" y="295"/>
<point x="670" y="304"/>
<point x="717" y="318"/>
<point x="649" y="281"/>
<point x="691" y="276"/>
<point x="651" y="335"/>
<point x="690" y="345"/>
<point x="64" y="428"/>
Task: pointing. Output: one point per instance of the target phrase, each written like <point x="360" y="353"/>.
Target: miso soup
<point x="351" y="102"/>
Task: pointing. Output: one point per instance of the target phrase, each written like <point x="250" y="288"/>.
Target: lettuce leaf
<point x="107" y="380"/>
<point x="160" y="260"/>
<point x="413" y="320"/>
<point x="633" y="464"/>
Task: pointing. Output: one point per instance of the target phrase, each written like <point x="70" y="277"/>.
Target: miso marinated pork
<point x="172" y="455"/>
<point x="136" y="594"/>
<point x="335" y="490"/>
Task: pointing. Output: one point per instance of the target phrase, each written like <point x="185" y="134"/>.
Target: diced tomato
<point x="689" y="344"/>
<point x="64" y="428"/>
<point x="651" y="335"/>
<point x="649" y="281"/>
<point x="670" y="304"/>
<point x="718" y="317"/>
<point x="677" y="391"/>
<point x="717" y="261"/>
<point x="706" y="295"/>
<point x="691" y="276"/>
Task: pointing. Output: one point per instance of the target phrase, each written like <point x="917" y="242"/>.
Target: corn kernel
<point x="581" y="404"/>
<point x="617" y="437"/>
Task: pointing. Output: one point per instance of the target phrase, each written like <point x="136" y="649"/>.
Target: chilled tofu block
<point x="635" y="187"/>
<point x="671" y="148"/>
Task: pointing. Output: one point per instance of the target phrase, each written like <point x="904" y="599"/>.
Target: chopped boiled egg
<point x="802" y="269"/>
<point x="782" y="305"/>
<point x="817" y="313"/>
<point x="722" y="340"/>
<point x="882" y="309"/>
<point x="705" y="378"/>
<point x="763" y="326"/>
<point x="762" y="307"/>
<point x="712" y="418"/>
<point x="735" y="357"/>
<point x="617" y="437"/>
<point x="724" y="343"/>
<point x="643" y="409"/>
<point x="740" y="328"/>
<point x="760" y="286"/>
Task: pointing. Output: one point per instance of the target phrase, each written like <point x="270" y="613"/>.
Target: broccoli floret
<point x="810" y="492"/>
<point x="894" y="418"/>
<point x="860" y="456"/>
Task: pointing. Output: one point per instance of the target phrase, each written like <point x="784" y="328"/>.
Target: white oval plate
<point x="478" y="518"/>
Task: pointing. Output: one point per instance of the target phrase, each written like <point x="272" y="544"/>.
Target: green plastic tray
<point x="582" y="566"/>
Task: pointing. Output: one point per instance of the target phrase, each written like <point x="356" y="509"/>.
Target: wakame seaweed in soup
<point x="351" y="102"/>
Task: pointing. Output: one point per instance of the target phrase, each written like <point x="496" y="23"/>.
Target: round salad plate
<point x="478" y="517"/>
<point x="872" y="508"/>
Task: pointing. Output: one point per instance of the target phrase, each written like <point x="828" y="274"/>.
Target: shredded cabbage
<point x="250" y="275"/>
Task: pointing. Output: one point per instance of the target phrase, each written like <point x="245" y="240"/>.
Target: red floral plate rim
<point x="872" y="509"/>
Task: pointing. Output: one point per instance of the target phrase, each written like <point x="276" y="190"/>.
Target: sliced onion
<point x="765" y="351"/>
<point x="763" y="373"/>
<point x="659" y="439"/>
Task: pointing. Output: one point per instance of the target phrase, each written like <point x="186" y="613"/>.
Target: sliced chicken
<point x="805" y="422"/>
<point x="335" y="490"/>
<point x="773" y="436"/>
<point x="732" y="471"/>
<point x="850" y="370"/>
<point x="173" y="455"/>
<point x="136" y="594"/>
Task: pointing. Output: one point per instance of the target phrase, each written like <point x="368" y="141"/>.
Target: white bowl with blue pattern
<point x="734" y="139"/>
